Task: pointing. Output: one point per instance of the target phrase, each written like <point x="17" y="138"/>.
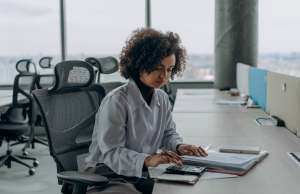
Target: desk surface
<point x="276" y="174"/>
<point x="5" y="97"/>
<point x="192" y="100"/>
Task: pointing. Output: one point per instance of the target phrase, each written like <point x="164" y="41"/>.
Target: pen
<point x="294" y="156"/>
<point x="206" y="148"/>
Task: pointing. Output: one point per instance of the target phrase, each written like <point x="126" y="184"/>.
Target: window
<point x="279" y="40"/>
<point x="98" y="28"/>
<point x="28" y="30"/>
<point x="193" y="20"/>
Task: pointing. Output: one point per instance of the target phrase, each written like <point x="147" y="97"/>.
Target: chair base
<point x="10" y="157"/>
<point x="30" y="143"/>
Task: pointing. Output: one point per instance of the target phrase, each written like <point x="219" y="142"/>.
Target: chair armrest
<point x="85" y="178"/>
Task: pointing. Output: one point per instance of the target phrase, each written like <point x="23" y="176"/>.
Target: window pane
<point x="29" y="29"/>
<point x="98" y="28"/>
<point x="193" y="20"/>
<point x="279" y="40"/>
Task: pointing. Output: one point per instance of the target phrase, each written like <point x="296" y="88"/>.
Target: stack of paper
<point x="231" y="163"/>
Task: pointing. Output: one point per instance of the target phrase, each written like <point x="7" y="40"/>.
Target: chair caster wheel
<point x="31" y="171"/>
<point x="36" y="163"/>
<point x="25" y="153"/>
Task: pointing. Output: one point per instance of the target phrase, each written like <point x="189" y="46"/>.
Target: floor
<point x="17" y="180"/>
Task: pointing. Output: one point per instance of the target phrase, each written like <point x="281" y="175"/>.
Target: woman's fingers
<point x="172" y="154"/>
<point x="170" y="157"/>
<point x="193" y="150"/>
<point x="202" y="151"/>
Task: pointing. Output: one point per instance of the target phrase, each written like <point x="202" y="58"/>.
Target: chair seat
<point x="13" y="131"/>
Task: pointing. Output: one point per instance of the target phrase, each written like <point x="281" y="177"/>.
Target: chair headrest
<point x="106" y="65"/>
<point x="25" y="66"/>
<point x="72" y="75"/>
<point x="45" y="62"/>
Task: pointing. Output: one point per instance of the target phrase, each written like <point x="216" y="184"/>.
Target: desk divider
<point x="283" y="99"/>
<point x="242" y="78"/>
<point x="258" y="86"/>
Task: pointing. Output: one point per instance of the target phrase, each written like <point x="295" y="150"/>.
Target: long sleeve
<point x="170" y="138"/>
<point x="111" y="123"/>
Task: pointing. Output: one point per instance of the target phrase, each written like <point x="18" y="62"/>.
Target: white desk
<point x="5" y="97"/>
<point x="197" y="101"/>
<point x="276" y="174"/>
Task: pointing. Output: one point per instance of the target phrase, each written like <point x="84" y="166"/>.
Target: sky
<point x="31" y="27"/>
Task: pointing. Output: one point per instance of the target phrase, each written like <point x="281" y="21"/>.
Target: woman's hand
<point x="186" y="149"/>
<point x="164" y="157"/>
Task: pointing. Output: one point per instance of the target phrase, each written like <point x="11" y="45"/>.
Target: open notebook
<point x="231" y="163"/>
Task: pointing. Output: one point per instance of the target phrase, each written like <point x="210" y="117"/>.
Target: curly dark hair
<point x="146" y="48"/>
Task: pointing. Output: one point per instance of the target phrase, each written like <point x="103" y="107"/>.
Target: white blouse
<point x="127" y="130"/>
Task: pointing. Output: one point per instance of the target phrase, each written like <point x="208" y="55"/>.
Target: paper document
<point x="215" y="175"/>
<point x="223" y="159"/>
<point x="231" y="102"/>
<point x="190" y="179"/>
<point x="228" y="161"/>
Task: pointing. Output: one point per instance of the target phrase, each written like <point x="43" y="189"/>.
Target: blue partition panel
<point x="258" y="86"/>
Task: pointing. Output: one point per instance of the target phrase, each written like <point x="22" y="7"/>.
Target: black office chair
<point x="16" y="121"/>
<point x="45" y="62"/>
<point x="68" y="110"/>
<point x="167" y="88"/>
<point x="38" y="134"/>
<point x="25" y="66"/>
<point x="105" y="65"/>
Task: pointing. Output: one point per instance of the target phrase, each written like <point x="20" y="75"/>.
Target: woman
<point x="134" y="121"/>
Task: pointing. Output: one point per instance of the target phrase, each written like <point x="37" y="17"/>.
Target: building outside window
<point x="279" y="40"/>
<point x="193" y="20"/>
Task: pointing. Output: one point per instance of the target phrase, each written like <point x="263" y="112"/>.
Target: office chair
<point x="25" y="66"/>
<point x="16" y="121"/>
<point x="167" y="88"/>
<point x="68" y="110"/>
<point x="37" y="134"/>
<point x="105" y="65"/>
<point x="45" y="62"/>
<point x="47" y="80"/>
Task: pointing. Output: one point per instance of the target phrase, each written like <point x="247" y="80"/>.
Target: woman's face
<point x="161" y="74"/>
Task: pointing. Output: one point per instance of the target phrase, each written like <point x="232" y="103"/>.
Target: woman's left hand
<point x="192" y="150"/>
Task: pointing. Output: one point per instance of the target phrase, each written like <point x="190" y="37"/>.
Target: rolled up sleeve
<point x="111" y="121"/>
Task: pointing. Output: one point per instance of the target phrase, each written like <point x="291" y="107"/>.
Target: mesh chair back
<point x="21" y="106"/>
<point x="23" y="86"/>
<point x="167" y="88"/>
<point x="45" y="62"/>
<point x="25" y="66"/>
<point x="105" y="65"/>
<point x="69" y="110"/>
<point x="45" y="81"/>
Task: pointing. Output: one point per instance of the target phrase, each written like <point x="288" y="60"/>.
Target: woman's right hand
<point x="164" y="157"/>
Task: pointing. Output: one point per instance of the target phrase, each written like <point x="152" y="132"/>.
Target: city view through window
<point x="31" y="30"/>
